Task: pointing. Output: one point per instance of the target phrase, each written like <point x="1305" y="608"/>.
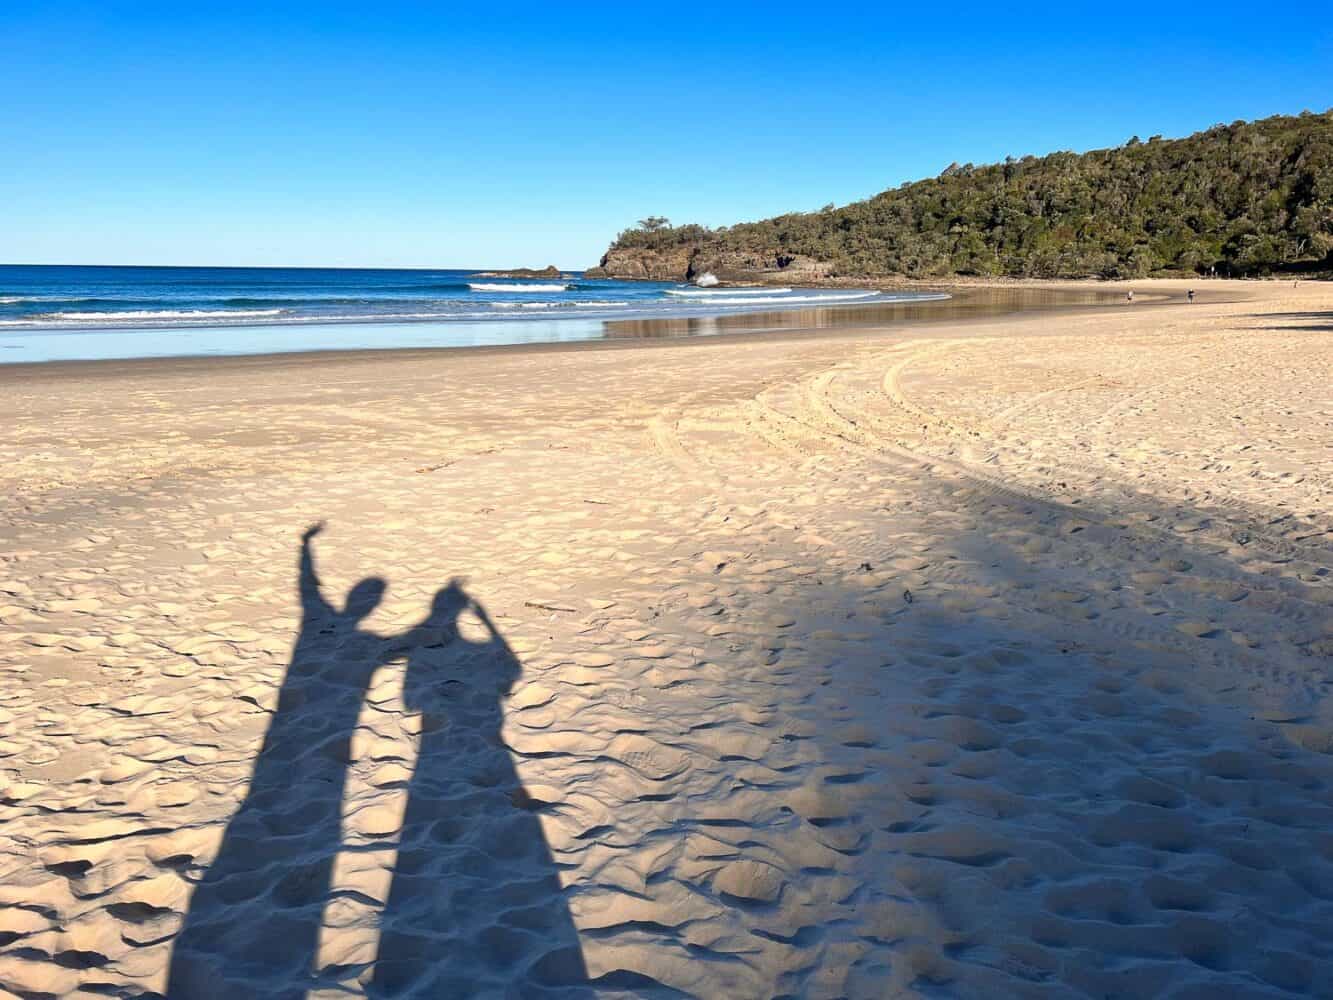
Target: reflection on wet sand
<point x="964" y="304"/>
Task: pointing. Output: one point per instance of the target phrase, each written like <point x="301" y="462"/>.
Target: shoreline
<point x="774" y="331"/>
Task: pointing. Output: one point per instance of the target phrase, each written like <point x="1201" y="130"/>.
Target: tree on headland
<point x="1243" y="199"/>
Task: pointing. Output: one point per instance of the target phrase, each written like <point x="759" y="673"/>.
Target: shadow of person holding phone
<point x="475" y="907"/>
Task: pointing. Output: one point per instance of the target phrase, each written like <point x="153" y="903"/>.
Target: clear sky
<point x="381" y="133"/>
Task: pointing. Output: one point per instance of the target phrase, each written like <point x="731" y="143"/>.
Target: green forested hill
<point x="1246" y="198"/>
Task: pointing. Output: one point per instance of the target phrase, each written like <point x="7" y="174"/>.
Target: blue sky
<point x="396" y="134"/>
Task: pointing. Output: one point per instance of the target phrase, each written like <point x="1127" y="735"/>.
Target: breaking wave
<point x="486" y="287"/>
<point x="567" y="304"/>
<point x="139" y="315"/>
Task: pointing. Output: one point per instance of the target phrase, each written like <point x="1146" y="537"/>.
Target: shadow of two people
<point x="474" y="906"/>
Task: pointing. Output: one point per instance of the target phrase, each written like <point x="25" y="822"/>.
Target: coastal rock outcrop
<point x="686" y="262"/>
<point x="671" y="264"/>
<point x="550" y="271"/>
<point x="734" y="265"/>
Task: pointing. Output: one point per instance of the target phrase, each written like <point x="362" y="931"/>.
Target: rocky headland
<point x="1250" y="199"/>
<point x="687" y="262"/>
<point x="549" y="271"/>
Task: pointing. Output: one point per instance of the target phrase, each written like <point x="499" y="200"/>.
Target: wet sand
<point x="972" y="302"/>
<point x="983" y="658"/>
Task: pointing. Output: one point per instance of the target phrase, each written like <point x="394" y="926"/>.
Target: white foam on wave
<point x="566" y="304"/>
<point x="757" y="300"/>
<point x="713" y="293"/>
<point x="140" y="315"/>
<point x="485" y="287"/>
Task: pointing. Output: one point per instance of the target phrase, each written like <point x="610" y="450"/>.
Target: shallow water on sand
<point x="653" y="311"/>
<point x="52" y="313"/>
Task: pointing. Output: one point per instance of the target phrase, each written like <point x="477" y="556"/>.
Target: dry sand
<point x="982" y="660"/>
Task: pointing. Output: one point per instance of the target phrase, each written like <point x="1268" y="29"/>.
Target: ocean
<point x="50" y="313"/>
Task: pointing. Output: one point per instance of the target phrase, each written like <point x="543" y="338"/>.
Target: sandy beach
<point x="977" y="659"/>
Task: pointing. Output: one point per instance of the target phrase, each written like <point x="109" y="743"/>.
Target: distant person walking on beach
<point x="1190" y="295"/>
<point x="1129" y="295"/>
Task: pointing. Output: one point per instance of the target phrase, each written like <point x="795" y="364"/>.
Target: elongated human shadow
<point x="254" y="919"/>
<point x="475" y="906"/>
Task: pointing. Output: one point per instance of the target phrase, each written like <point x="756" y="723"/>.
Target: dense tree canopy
<point x="1244" y="198"/>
